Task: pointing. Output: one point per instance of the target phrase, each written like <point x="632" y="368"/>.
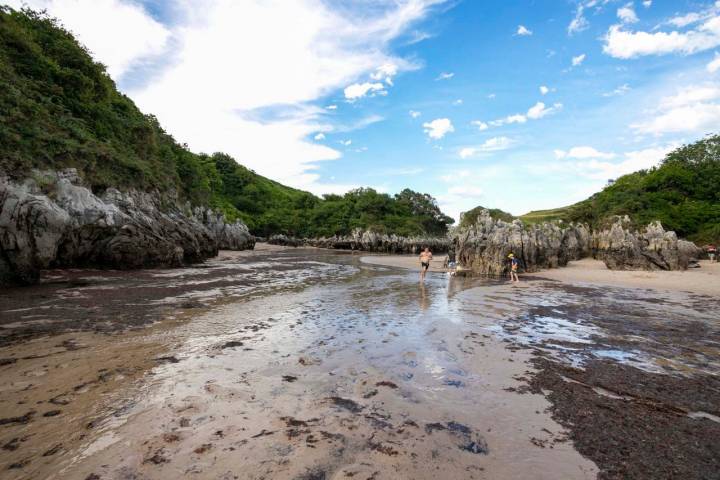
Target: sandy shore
<point x="704" y="280"/>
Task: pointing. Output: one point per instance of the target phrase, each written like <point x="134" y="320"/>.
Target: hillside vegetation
<point x="683" y="193"/>
<point x="469" y="218"/>
<point x="59" y="109"/>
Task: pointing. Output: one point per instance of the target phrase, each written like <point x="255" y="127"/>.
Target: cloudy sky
<point x="514" y="104"/>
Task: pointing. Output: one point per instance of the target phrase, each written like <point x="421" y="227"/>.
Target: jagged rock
<point x="653" y="249"/>
<point x="367" y="241"/>
<point x="483" y="248"/>
<point x="70" y="226"/>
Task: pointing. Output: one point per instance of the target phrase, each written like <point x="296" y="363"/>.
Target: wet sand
<point x="308" y="364"/>
<point x="704" y="280"/>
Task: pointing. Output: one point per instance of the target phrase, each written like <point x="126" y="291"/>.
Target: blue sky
<point x="514" y="104"/>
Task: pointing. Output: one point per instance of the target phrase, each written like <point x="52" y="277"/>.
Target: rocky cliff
<point x="368" y="241"/>
<point x="622" y="248"/>
<point x="483" y="247"/>
<point x="52" y="220"/>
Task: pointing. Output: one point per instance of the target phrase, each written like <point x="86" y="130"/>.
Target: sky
<point x="511" y="104"/>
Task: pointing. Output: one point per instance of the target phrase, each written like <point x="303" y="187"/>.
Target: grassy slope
<point x="59" y="109"/>
<point x="683" y="193"/>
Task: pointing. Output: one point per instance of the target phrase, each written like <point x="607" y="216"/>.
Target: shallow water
<point x="308" y="364"/>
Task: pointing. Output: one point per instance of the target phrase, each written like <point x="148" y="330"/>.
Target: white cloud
<point x="685" y="20"/>
<point x="480" y="125"/>
<point x="359" y="90"/>
<point x="309" y="51"/>
<point x="331" y="107"/>
<point x="535" y="112"/>
<point x="693" y="109"/>
<point x="491" y="145"/>
<point x="627" y="44"/>
<point x="583" y="152"/>
<point x="320" y="136"/>
<point x="523" y="31"/>
<point x="627" y="14"/>
<point x="445" y="76"/>
<point x="385" y="72"/>
<point x="459" y="101"/>
<point x="579" y="22"/>
<point x="346" y="143"/>
<point x="632" y="162"/>
<point x="438" y="128"/>
<point x="621" y="90"/>
<point x="647" y="3"/>
<point x="414" y="114"/>
<point x="577" y="61"/>
<point x="544" y="90"/>
<point x="539" y="110"/>
<point x="491" y="96"/>
<point x="103" y="27"/>
<point x="714" y="64"/>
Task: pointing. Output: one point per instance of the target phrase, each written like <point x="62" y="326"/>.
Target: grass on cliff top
<point x="540" y="216"/>
<point x="60" y="109"/>
<point x="682" y="192"/>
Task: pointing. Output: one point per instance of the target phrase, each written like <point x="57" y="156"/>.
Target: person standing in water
<point x="425" y="257"/>
<point x="513" y="268"/>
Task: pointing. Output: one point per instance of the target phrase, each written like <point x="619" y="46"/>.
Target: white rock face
<point x="67" y="225"/>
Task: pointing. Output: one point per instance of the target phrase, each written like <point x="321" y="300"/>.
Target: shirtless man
<point x="425" y="258"/>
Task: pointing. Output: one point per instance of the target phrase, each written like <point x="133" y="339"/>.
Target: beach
<point x="704" y="280"/>
<point x="288" y="363"/>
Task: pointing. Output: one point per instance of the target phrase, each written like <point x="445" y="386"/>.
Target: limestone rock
<point x="483" y="248"/>
<point x="621" y="248"/>
<point x="65" y="224"/>
<point x="368" y="241"/>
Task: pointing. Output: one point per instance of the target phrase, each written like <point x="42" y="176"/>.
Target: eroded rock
<point x="65" y="224"/>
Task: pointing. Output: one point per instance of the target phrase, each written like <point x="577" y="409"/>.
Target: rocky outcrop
<point x="621" y="248"/>
<point x="54" y="221"/>
<point x="483" y="248"/>
<point x="368" y="241"/>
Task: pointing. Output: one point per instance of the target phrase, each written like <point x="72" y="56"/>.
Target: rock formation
<point x="483" y="248"/>
<point x="54" y="221"/>
<point x="368" y="241"/>
<point x="621" y="248"/>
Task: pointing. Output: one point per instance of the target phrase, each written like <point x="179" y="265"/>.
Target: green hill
<point x="683" y="193"/>
<point x="59" y="109"/>
<point x="470" y="217"/>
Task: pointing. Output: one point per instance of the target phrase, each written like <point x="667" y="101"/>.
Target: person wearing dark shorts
<point x="425" y="258"/>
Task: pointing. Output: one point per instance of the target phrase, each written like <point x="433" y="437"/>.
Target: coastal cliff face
<point x="52" y="220"/>
<point x="621" y="248"/>
<point x="368" y="241"/>
<point x="483" y="248"/>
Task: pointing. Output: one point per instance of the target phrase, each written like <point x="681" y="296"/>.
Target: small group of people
<point x="426" y="257"/>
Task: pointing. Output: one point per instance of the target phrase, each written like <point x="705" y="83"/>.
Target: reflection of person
<point x="513" y="268"/>
<point x="425" y="258"/>
<point x="424" y="301"/>
<point x="711" y="251"/>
